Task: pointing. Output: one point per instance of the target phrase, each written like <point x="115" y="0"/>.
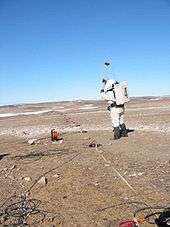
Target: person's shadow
<point x="129" y="130"/>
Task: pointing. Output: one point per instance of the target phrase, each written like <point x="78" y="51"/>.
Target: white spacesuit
<point x="112" y="92"/>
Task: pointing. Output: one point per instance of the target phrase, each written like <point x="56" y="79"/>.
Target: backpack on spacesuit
<point x="121" y="93"/>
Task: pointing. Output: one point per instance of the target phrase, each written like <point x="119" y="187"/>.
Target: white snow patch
<point x="2" y="115"/>
<point x="24" y="113"/>
<point x="63" y="110"/>
<point x="154" y="99"/>
<point x="60" y="107"/>
<point x="88" y="107"/>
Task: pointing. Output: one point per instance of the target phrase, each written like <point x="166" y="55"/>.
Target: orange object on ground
<point x="129" y="223"/>
<point x="55" y="135"/>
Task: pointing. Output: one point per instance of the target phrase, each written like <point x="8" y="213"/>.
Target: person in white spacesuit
<point x="116" y="111"/>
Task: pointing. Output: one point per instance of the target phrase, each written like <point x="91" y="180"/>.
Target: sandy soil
<point x="84" y="187"/>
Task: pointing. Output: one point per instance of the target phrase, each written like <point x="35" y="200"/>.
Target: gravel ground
<point x="86" y="186"/>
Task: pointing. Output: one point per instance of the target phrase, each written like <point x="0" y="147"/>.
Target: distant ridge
<point x="80" y="100"/>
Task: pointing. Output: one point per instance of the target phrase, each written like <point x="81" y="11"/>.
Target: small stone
<point x="140" y="174"/>
<point x="27" y="179"/>
<point x="32" y="141"/>
<point x="12" y="167"/>
<point x="107" y="165"/>
<point x="133" y="175"/>
<point x="3" y="219"/>
<point x="56" y="175"/>
<point x="25" y="133"/>
<point x="92" y="144"/>
<point x="42" y="181"/>
<point x="84" y="131"/>
<point x="51" y="219"/>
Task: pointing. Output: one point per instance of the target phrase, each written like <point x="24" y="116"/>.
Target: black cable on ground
<point x="121" y="204"/>
<point x="35" y="156"/>
<point x="150" y="210"/>
<point x="17" y="210"/>
<point x="160" y="210"/>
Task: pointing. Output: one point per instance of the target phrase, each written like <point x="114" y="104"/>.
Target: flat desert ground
<point x="86" y="186"/>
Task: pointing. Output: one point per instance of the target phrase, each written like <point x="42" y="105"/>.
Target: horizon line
<point x="76" y="100"/>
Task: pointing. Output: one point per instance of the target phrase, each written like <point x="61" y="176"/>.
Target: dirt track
<point x="83" y="181"/>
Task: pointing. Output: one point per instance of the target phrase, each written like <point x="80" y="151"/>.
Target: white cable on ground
<point x="120" y="176"/>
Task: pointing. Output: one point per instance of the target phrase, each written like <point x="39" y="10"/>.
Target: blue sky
<point x="55" y="50"/>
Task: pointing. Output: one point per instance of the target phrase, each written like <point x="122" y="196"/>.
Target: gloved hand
<point x="102" y="90"/>
<point x="108" y="108"/>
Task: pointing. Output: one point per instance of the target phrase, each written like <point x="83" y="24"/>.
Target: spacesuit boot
<point x="117" y="132"/>
<point x="123" y="130"/>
